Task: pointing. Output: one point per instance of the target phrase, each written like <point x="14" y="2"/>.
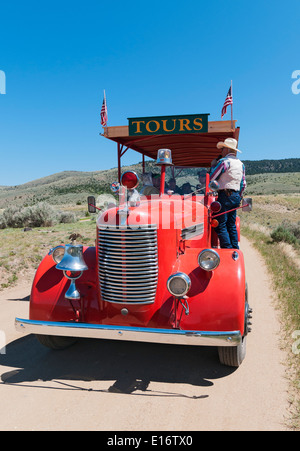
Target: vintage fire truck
<point x="156" y="273"/>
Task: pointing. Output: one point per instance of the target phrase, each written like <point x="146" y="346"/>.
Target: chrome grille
<point x="128" y="268"/>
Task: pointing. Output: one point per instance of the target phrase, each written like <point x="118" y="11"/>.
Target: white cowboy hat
<point x="231" y="143"/>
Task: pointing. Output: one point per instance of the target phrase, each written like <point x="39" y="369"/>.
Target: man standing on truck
<point x="230" y="174"/>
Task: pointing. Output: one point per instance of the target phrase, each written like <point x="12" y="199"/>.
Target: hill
<point x="67" y="187"/>
<point x="73" y="187"/>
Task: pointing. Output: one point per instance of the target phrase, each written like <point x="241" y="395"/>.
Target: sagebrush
<point x="288" y="232"/>
<point x="39" y="215"/>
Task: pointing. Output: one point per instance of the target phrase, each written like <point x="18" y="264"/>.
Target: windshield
<point x="180" y="180"/>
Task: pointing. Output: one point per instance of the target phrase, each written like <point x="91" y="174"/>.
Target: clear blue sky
<point x="152" y="58"/>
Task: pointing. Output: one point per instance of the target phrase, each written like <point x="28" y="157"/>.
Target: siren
<point x="164" y="157"/>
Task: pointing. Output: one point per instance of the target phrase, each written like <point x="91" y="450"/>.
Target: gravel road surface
<point x="109" y="385"/>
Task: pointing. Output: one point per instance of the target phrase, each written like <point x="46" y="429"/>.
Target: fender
<point x="217" y="298"/>
<point x="47" y="299"/>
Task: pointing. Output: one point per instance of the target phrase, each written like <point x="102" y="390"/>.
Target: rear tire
<point x="55" y="342"/>
<point x="232" y="355"/>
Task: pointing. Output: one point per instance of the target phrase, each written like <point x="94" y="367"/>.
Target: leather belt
<point x="228" y="192"/>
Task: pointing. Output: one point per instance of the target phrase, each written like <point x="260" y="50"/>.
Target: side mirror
<point x="91" y="204"/>
<point x="247" y="204"/>
<point x="115" y="187"/>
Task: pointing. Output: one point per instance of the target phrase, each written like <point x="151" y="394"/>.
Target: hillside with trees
<point x="73" y="187"/>
<point x="272" y="166"/>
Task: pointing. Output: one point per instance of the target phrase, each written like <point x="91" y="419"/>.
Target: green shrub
<point x="281" y="233"/>
<point x="293" y="227"/>
<point x="66" y="217"/>
<point x="3" y="224"/>
<point x="39" y="215"/>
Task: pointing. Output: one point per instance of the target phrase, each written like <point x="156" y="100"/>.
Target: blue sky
<point x="152" y="58"/>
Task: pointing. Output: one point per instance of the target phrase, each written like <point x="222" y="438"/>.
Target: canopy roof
<point x="188" y="149"/>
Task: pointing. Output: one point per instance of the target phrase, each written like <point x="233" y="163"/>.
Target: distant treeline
<point x="92" y="186"/>
<point x="252" y="167"/>
<point x="265" y="166"/>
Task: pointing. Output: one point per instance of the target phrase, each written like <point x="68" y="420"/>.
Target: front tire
<point x="56" y="342"/>
<point x="232" y="355"/>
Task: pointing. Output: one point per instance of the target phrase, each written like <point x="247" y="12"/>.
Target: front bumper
<point x="143" y="334"/>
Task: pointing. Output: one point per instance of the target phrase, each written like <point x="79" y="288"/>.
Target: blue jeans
<point x="226" y="229"/>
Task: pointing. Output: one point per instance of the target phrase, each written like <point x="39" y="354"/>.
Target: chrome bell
<point x="73" y="259"/>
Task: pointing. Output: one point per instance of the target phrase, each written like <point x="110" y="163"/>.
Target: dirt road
<point x="102" y="385"/>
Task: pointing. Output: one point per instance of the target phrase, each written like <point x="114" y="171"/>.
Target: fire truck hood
<point x="167" y="212"/>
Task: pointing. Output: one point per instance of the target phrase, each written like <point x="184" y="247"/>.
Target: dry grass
<point x="21" y="252"/>
<point x="283" y="261"/>
<point x="271" y="211"/>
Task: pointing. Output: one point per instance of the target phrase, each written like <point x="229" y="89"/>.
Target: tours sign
<point x="168" y="125"/>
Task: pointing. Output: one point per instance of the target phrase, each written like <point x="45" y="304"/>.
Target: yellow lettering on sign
<point x="138" y="127"/>
<point x="184" y="123"/>
<point x="164" y="122"/>
<point x="198" y="121"/>
<point x="148" y="126"/>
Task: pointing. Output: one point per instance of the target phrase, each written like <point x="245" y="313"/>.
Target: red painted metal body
<point x="216" y="299"/>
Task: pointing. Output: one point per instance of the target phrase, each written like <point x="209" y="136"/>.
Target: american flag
<point x="103" y="113"/>
<point x="228" y="101"/>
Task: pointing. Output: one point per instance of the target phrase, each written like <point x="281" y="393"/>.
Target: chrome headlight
<point x="57" y="253"/>
<point x="208" y="259"/>
<point x="179" y="284"/>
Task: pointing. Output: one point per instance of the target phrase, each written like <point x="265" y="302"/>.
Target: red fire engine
<point x="156" y="273"/>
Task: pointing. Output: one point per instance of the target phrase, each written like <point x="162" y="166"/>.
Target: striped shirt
<point x="230" y="174"/>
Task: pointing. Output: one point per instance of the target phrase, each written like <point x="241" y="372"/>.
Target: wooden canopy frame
<point x="188" y="149"/>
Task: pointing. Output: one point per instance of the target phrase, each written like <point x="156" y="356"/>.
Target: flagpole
<point x="231" y="106"/>
<point x="105" y="127"/>
<point x="106" y="110"/>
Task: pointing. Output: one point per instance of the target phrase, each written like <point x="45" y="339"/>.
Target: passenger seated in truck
<point x="173" y="187"/>
<point x="186" y="188"/>
<point x="156" y="182"/>
<point x="148" y="188"/>
<point x="200" y="187"/>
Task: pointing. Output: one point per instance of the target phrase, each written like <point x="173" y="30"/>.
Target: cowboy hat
<point x="231" y="143"/>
